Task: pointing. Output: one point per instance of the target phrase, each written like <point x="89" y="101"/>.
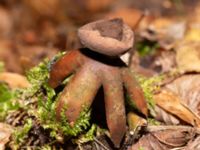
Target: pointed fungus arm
<point x="80" y="92"/>
<point x="64" y="67"/>
<point x="114" y="104"/>
<point x="134" y="90"/>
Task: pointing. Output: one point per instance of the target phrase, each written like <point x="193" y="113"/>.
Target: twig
<point x="132" y="137"/>
<point x="98" y="142"/>
<point x="144" y="14"/>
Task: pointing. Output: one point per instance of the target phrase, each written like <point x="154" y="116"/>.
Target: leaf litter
<point x="166" y="48"/>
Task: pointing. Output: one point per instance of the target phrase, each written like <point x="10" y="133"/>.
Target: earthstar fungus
<point x="96" y="65"/>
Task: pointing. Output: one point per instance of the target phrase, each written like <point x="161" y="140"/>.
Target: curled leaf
<point x="171" y="103"/>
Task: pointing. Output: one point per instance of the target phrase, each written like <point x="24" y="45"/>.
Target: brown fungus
<point x="108" y="37"/>
<point x="94" y="67"/>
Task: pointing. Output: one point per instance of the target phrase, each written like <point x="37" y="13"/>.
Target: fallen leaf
<point x="187" y="87"/>
<point x="6" y="24"/>
<point x="193" y="144"/>
<point x="165" y="117"/>
<point x="30" y="56"/>
<point x="14" y="80"/>
<point x="148" y="142"/>
<point x="166" y="61"/>
<point x="172" y="103"/>
<point x="188" y="56"/>
<point x="132" y="17"/>
<point x="43" y="7"/>
<point x="94" y="6"/>
<point x="8" y="56"/>
<point x="165" y="137"/>
<point x="5" y="133"/>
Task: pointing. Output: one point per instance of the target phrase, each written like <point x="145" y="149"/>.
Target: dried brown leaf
<point x="187" y="87"/>
<point x="129" y="15"/>
<point x="6" y="23"/>
<point x="43" y="7"/>
<point x="188" y="56"/>
<point x="30" y="56"/>
<point x="8" y="56"/>
<point x="5" y="133"/>
<point x="166" y="61"/>
<point x="165" y="117"/>
<point x="165" y="137"/>
<point x="193" y="144"/>
<point x="14" y="80"/>
<point x="148" y="142"/>
<point x="172" y="103"/>
<point x="94" y="6"/>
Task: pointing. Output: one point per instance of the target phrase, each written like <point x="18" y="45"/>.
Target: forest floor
<point x="165" y="59"/>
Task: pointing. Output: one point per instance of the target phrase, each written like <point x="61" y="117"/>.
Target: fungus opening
<point x="111" y="28"/>
<point x="109" y="37"/>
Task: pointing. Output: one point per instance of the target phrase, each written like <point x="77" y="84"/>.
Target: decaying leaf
<point x="130" y="16"/>
<point x="8" y="55"/>
<point x="32" y="55"/>
<point x="168" y="27"/>
<point x="187" y="87"/>
<point x="172" y="103"/>
<point x="166" y="61"/>
<point x="165" y="117"/>
<point x="188" y="57"/>
<point x="94" y="6"/>
<point x="193" y="144"/>
<point x="5" y="133"/>
<point x="165" y="137"/>
<point x="148" y="142"/>
<point x="6" y="24"/>
<point x="14" y="80"/>
<point x="165" y="31"/>
<point x="43" y="7"/>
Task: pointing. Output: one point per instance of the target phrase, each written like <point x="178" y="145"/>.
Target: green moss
<point x="5" y="93"/>
<point x="46" y="115"/>
<point x="141" y="148"/>
<point x="152" y="121"/>
<point x="63" y="128"/>
<point x="39" y="75"/>
<point x="146" y="47"/>
<point x="80" y="125"/>
<point x="8" y="100"/>
<point x="88" y="136"/>
<point x="22" y="132"/>
<point x="149" y="86"/>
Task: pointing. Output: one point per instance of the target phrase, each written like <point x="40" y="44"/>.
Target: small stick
<point x="144" y="14"/>
<point x="98" y="142"/>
